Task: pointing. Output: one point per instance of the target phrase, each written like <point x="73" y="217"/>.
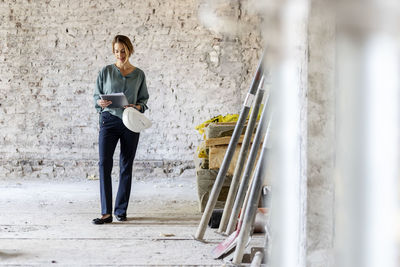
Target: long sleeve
<point x="98" y="91"/>
<point x="143" y="95"/>
<point x="133" y="85"/>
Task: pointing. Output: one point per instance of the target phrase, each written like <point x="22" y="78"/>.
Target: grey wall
<point x="321" y="138"/>
<point x="50" y="55"/>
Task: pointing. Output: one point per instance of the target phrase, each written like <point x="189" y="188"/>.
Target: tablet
<point x="118" y="100"/>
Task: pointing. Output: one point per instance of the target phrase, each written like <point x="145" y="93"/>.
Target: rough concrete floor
<point x="49" y="223"/>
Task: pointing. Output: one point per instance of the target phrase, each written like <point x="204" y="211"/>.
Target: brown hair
<point x="125" y="42"/>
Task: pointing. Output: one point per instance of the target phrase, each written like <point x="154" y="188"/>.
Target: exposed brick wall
<point x="50" y="55"/>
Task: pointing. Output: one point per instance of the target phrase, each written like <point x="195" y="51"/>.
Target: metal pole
<point x="368" y="128"/>
<point x="252" y="204"/>
<point x="219" y="181"/>
<point x="262" y="128"/>
<point x="256" y="262"/>
<point x="242" y="158"/>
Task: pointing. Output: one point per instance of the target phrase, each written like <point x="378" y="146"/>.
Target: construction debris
<point x="210" y="155"/>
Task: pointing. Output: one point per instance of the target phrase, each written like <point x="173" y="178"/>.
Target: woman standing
<point x="115" y="78"/>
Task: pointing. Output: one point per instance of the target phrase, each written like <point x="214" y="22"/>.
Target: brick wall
<point x="50" y="55"/>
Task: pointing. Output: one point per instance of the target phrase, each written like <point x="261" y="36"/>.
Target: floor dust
<point x="49" y="222"/>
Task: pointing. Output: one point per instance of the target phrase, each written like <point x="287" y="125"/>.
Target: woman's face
<point x="120" y="53"/>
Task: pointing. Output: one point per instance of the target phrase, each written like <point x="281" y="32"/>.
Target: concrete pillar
<point x="321" y="134"/>
<point x="286" y="48"/>
<point x="367" y="133"/>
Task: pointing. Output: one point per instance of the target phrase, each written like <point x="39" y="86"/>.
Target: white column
<point x="288" y="66"/>
<point x="368" y="122"/>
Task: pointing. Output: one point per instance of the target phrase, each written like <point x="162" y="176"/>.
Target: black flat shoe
<point x="121" y="217"/>
<point x="109" y="219"/>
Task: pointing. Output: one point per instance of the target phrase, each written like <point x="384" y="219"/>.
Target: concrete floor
<point x="49" y="222"/>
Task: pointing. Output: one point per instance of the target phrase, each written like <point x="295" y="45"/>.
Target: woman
<point x="115" y="78"/>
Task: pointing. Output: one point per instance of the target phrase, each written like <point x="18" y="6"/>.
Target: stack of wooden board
<point x="217" y="138"/>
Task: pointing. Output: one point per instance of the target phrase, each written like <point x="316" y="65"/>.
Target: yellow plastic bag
<point x="226" y="118"/>
<point x="202" y="151"/>
<point x="219" y="118"/>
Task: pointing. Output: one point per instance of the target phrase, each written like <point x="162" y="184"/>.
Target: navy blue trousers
<point x="112" y="129"/>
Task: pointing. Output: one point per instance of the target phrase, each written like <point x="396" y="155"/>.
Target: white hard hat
<point x="134" y="120"/>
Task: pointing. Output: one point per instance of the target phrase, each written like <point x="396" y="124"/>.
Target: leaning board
<point x="217" y="154"/>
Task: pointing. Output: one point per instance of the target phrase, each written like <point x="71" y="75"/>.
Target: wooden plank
<point x="217" y="154"/>
<point x="224" y="141"/>
<point x="221" y="141"/>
